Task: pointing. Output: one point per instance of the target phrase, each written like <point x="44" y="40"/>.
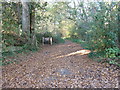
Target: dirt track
<point x="63" y="65"/>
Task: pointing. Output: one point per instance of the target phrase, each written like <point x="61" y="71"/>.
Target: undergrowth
<point x="109" y="55"/>
<point x="25" y="49"/>
<point x="12" y="54"/>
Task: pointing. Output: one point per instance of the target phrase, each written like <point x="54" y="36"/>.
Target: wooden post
<point x="50" y="40"/>
<point x="43" y="40"/>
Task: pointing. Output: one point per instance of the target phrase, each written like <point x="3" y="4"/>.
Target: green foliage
<point x="79" y="41"/>
<point x="47" y="34"/>
<point x="58" y="39"/>
<point x="39" y="37"/>
<point x="11" y="38"/>
<point x="8" y="53"/>
<point x="114" y="62"/>
<point x="10" y="17"/>
<point x="112" y="52"/>
<point x="98" y="27"/>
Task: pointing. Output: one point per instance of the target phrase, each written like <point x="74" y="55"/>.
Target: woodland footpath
<point x="86" y="43"/>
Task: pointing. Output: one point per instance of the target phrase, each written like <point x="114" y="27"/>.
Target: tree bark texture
<point x="25" y="17"/>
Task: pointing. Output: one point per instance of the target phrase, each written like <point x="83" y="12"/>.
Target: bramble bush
<point x="112" y="52"/>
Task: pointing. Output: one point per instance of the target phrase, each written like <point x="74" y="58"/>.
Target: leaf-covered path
<point x="63" y="65"/>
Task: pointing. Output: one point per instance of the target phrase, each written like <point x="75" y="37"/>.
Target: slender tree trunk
<point x="1" y="43"/>
<point x="32" y="22"/>
<point x="32" y="19"/>
<point x="19" y="16"/>
<point x="119" y="24"/>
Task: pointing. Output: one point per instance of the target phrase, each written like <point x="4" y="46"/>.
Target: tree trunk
<point x="119" y="24"/>
<point x="32" y="17"/>
<point x="32" y="22"/>
<point x="25" y="17"/>
<point x="19" y="17"/>
<point x="26" y="21"/>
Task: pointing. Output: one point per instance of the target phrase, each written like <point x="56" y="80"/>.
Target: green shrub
<point x="11" y="38"/>
<point x="113" y="62"/>
<point x="112" y="52"/>
<point x="57" y="39"/>
<point x="47" y="34"/>
<point x="39" y="37"/>
<point x="79" y="41"/>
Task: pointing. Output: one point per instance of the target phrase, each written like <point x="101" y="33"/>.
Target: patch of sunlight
<point x="80" y="52"/>
<point x="70" y="45"/>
